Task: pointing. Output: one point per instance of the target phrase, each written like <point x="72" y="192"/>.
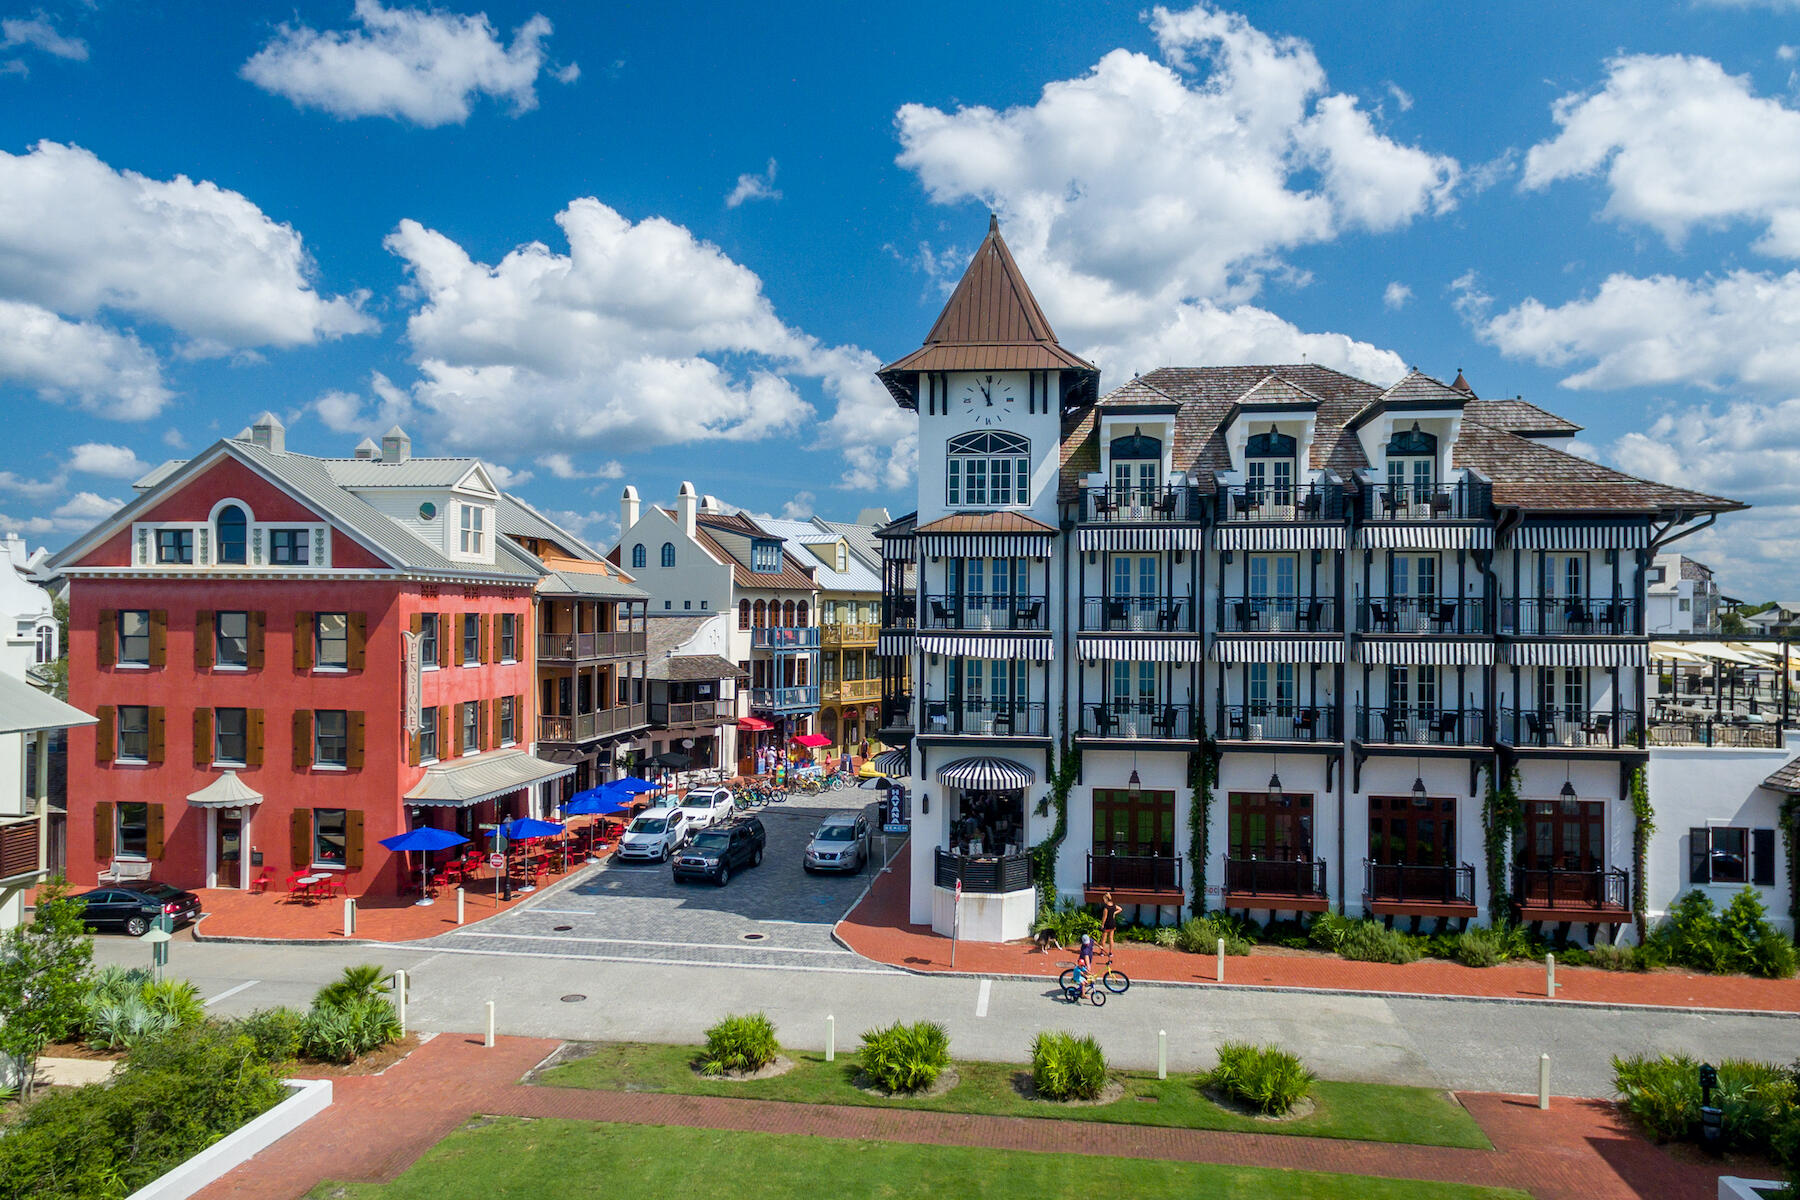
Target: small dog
<point x="1046" y="941"/>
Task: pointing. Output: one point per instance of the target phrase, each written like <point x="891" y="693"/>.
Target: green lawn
<point x="1367" y="1112"/>
<point x="548" y="1160"/>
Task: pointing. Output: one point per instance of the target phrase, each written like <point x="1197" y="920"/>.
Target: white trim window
<point x="988" y="469"/>
<point x="474" y="529"/>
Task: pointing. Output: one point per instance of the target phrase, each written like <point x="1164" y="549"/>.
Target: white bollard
<point x="1162" y="1054"/>
<point x="459" y="906"/>
<point x="1221" y="967"/>
<point x="490" y="1028"/>
<point x="349" y="917"/>
<point x="830" y="1037"/>
<point x="1543" y="1081"/>
<point x="1550" y="975"/>
<point x="400" y="999"/>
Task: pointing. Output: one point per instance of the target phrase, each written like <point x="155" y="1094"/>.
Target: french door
<point x="1134" y="594"/>
<point x="1273" y="581"/>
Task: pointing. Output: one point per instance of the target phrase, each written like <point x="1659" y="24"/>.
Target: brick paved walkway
<point x="878" y="929"/>
<point x="378" y="1126"/>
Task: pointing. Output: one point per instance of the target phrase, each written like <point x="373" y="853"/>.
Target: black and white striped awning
<point x="984" y="545"/>
<point x="1162" y="650"/>
<point x="1140" y="537"/>
<point x="1278" y="650"/>
<point x="986" y="774"/>
<point x="1578" y="654"/>
<point x="987" y="645"/>
<point x="895" y="645"/>
<point x="1425" y="537"/>
<point x="1433" y="653"/>
<point x="895" y="764"/>
<point x="1580" y="537"/>
<point x="1278" y="537"/>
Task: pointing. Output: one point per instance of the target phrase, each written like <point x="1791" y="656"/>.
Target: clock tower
<point x="991" y="386"/>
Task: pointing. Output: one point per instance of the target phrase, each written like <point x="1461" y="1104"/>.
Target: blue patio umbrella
<point x="425" y="839"/>
<point x="594" y="800"/>
<point x="525" y="828"/>
<point x="632" y="786"/>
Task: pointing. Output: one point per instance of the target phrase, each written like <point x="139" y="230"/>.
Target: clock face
<point x="989" y="400"/>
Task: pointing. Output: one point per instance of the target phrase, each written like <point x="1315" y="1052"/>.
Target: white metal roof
<point x="24" y="709"/>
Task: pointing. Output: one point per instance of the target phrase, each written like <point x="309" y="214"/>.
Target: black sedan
<point x="136" y="906"/>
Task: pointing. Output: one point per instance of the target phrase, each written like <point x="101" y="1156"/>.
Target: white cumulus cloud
<point x="563" y="466"/>
<point x="40" y="34"/>
<point x="754" y="187"/>
<point x="112" y="374"/>
<point x="1682" y="145"/>
<point x="426" y="66"/>
<point x="102" y="458"/>
<point x="1395" y="295"/>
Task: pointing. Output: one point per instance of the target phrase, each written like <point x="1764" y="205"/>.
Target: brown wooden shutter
<point x="353" y="740"/>
<point x="156" y="736"/>
<point x="446" y="635"/>
<point x="519" y="734"/>
<point x="413" y="752"/>
<point x="203" y="640"/>
<point x="103" y="832"/>
<point x="357" y="651"/>
<point x="300" y="831"/>
<point x="484" y="638"/>
<point x="253" y="738"/>
<point x="418" y="624"/>
<point x="303" y="641"/>
<point x="106" y="633"/>
<point x="203" y="737"/>
<point x="106" y="734"/>
<point x="303" y="739"/>
<point x="456" y="638"/>
<point x="258" y="622"/>
<point x="493" y="715"/>
<point x="153" y="831"/>
<point x="159" y="637"/>
<point x="353" y="840"/>
<point x="449" y="736"/>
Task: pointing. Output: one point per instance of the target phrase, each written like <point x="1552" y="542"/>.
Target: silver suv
<point x="840" y="844"/>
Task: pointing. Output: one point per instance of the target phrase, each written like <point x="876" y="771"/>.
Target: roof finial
<point x="993" y="222"/>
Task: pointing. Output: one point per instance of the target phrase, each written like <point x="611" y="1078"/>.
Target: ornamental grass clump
<point x="739" y="1045"/>
<point x="1364" y="941"/>
<point x="1760" y="1102"/>
<point x="905" y="1058"/>
<point x="1266" y="1078"/>
<point x="1200" y="935"/>
<point x="350" y="1017"/>
<point x="1065" y="1067"/>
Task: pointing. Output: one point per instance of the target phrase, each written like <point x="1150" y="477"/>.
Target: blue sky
<point x="608" y="244"/>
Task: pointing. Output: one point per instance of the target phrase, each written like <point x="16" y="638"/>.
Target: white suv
<point x="707" y="807"/>
<point x="654" y="836"/>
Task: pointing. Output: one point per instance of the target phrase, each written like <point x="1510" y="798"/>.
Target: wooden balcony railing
<point x="692" y="712"/>
<point x="585" y="727"/>
<point x="849" y="691"/>
<point x="1137" y="614"/>
<point x="1278" y="614"/>
<point x="575" y="647"/>
<point x="1137" y="505"/>
<point x="1441" y="616"/>
<point x="1294" y="503"/>
<point x="1417" y="725"/>
<point x="19" y="848"/>
<point x="1139" y="720"/>
<point x="860" y="633"/>
<point x="1408" y="883"/>
<point x="992" y="873"/>
<point x="1568" y="728"/>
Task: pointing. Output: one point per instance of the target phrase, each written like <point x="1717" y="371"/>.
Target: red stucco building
<point x="245" y="630"/>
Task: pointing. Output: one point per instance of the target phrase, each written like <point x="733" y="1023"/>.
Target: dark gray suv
<point x="715" y="853"/>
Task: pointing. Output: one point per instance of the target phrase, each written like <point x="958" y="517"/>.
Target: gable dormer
<point x="1271" y="428"/>
<point x="1408" y="433"/>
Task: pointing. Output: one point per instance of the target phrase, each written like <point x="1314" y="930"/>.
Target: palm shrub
<point x="905" y="1058"/>
<point x="356" y="983"/>
<point x="1267" y="1078"/>
<point x="1200" y="935"/>
<point x="1741" y="938"/>
<point x="129" y="1007"/>
<point x="346" y="1031"/>
<point x="1068" y="920"/>
<point x="1066" y="1067"/>
<point x="1759" y="1102"/>
<point x="741" y="1043"/>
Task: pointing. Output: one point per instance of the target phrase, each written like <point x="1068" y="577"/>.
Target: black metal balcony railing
<point x="691" y="712"/>
<point x="987" y="612"/>
<point x="584" y="727"/>
<point x="1277" y="723"/>
<point x="1533" y="616"/>
<point x="996" y="718"/>
<point x="1440" y="615"/>
<point x="900" y="610"/>
<point x="784" y="637"/>
<point x="568" y="647"/>
<point x="1409" y="883"/>
<point x="1294" y="503"/>
<point x="1137" y="614"/>
<point x="1139" y="720"/>
<point x="1470" y="500"/>
<point x="993" y="873"/>
<point x="1707" y="731"/>
<point x="1421" y="725"/>
<point x="897" y="711"/>
<point x="1135" y="872"/>
<point x="1571" y="728"/>
<point x="785" y="699"/>
<point x="1278" y="614"/>
<point x="1162" y="502"/>
<point x="1272" y="877"/>
<point x="1596" y="888"/>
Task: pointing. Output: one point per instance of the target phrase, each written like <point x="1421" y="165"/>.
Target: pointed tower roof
<point x="992" y="322"/>
<point x="1461" y="384"/>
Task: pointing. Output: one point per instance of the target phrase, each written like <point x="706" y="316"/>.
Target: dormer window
<point x="765" y="557"/>
<point x="474" y="530"/>
<point x="1136" y="468"/>
<point x="1270" y="463"/>
<point x="1412" y="466"/>
<point x="231" y="532"/>
<point x="990" y="469"/>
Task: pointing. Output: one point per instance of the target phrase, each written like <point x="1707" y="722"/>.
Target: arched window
<point x="668" y="554"/>
<point x="762" y="616"/>
<point x="638" y="558"/>
<point x="743" y="614"/>
<point x="787" y="614"/>
<point x="1269" y="468"/>
<point x="230" y="530"/>
<point x="1136" y="469"/>
<point x="802" y="613"/>
<point x="46" y="644"/>
<point x="989" y="469"/>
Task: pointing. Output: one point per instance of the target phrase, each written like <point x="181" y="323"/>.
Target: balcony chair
<point x="941" y="614"/>
<point x="1579" y="617"/>
<point x="937" y="715"/>
<point x="1612" y="618"/>
<point x="1311" y="506"/>
<point x="1246" y="614"/>
<point x="1026" y="616"/>
<point x="1445" y="726"/>
<point x="1310" y="617"/>
<point x="1598" y="725"/>
<point x="1446" y="616"/>
<point x="1104" y="721"/>
<point x="1166" y="721"/>
<point x="1394" y="719"/>
<point x="1243" y="505"/>
<point x="1003" y="722"/>
<point x="1392" y="500"/>
<point x="1238" y="723"/>
<point x="1306" y="722"/>
<point x="1168" y="620"/>
<point x="1103" y="505"/>
<point x="1440" y="505"/>
<point x="1537" y="728"/>
<point x="1165" y="503"/>
<point x="1381" y="616"/>
<point x="1118" y="613"/>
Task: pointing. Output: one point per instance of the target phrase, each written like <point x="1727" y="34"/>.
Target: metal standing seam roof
<point x="465" y="781"/>
<point x="793" y="575"/>
<point x="856" y="578"/>
<point x="407" y="473"/>
<point x="24" y="709"/>
<point x="517" y="518"/>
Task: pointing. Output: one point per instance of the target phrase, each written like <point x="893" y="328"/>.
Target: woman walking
<point x="1109" y="922"/>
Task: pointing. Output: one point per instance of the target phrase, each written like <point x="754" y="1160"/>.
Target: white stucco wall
<point x="1701" y="787"/>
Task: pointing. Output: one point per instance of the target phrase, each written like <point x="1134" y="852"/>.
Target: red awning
<point x="753" y="724"/>
<point x="812" y="741"/>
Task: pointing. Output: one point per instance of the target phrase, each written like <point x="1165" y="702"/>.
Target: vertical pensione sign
<point x="410" y="641"/>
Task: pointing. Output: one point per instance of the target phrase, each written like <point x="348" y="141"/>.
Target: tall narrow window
<point x="134" y="637"/>
<point x="1269" y="469"/>
<point x="331" y="738"/>
<point x="331" y="640"/>
<point x="231" y="531"/>
<point x="1411" y="472"/>
<point x="1136" y="469"/>
<point x="474" y="529"/>
<point x="640" y="557"/>
<point x="231" y="639"/>
<point x="668" y="554"/>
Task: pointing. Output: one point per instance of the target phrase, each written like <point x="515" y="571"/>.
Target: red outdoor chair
<point x="260" y="884"/>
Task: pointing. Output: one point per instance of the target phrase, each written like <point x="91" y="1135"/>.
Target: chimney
<point x="396" y="447"/>
<point x="710" y="504"/>
<point x="628" y="509"/>
<point x="367" y="448"/>
<point x="15" y="550"/>
<point x="686" y="502"/>
<point x="268" y="432"/>
<point x="873" y="516"/>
